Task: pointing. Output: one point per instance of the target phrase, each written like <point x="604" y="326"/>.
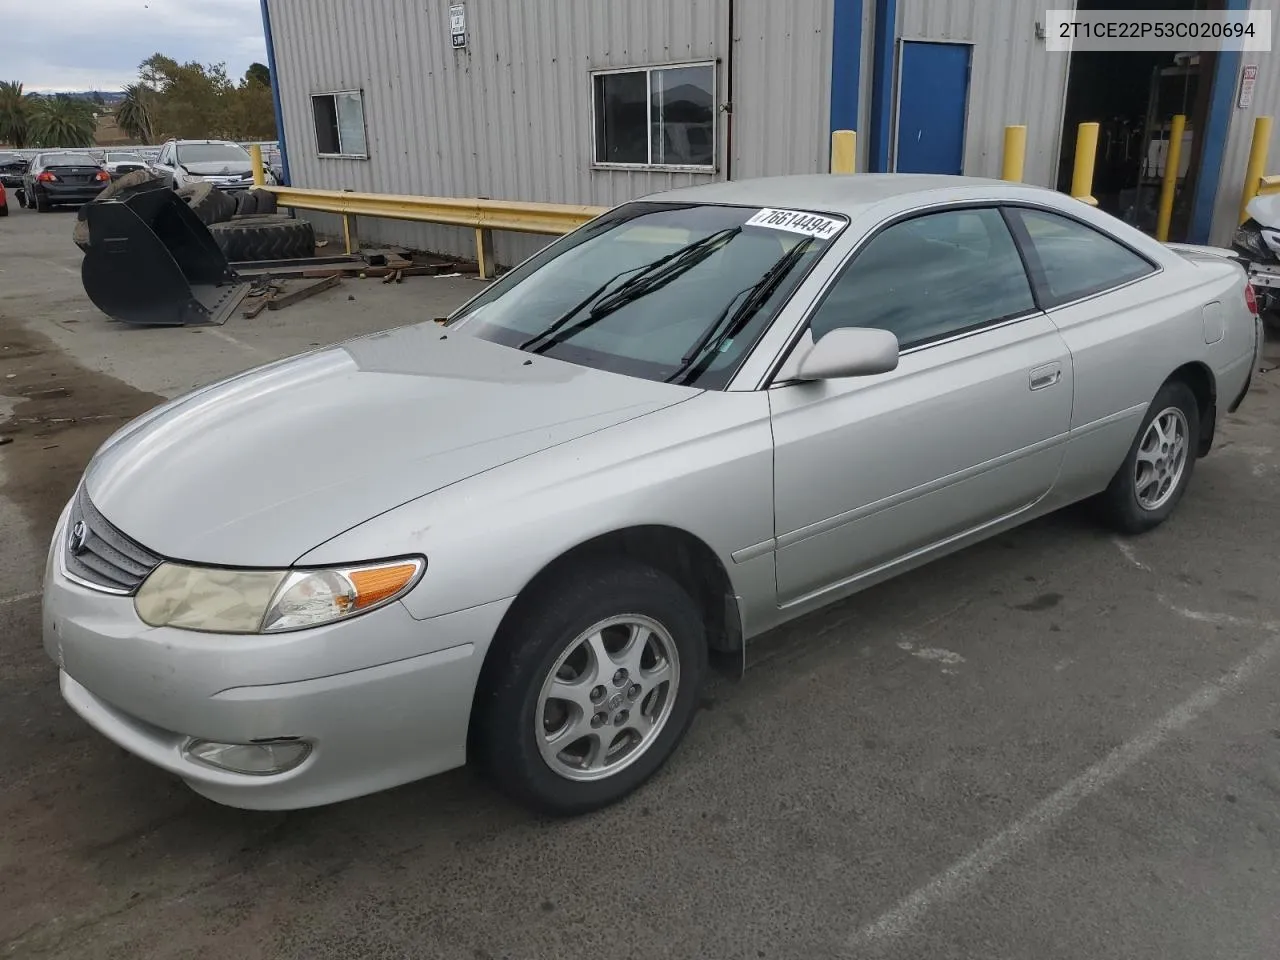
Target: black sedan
<point x="12" y="167"/>
<point x="63" y="176"/>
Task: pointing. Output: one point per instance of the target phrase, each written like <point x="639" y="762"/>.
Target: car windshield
<point x="665" y="291"/>
<point x="124" y="157"/>
<point x="68" y="160"/>
<point x="212" y="153"/>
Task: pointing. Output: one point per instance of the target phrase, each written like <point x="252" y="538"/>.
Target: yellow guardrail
<point x="1268" y="185"/>
<point x="484" y="216"/>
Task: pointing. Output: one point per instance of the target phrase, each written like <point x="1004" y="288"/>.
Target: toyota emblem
<point x="78" y="537"/>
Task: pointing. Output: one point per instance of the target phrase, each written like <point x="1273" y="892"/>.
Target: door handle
<point x="1046" y="376"/>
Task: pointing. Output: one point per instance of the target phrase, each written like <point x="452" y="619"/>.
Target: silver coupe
<point x="518" y="537"/>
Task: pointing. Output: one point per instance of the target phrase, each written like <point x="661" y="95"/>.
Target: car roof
<point x="848" y="194"/>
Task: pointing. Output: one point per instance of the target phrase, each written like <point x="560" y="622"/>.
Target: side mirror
<point x="849" y="352"/>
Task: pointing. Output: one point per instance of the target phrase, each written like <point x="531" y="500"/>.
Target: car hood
<point x="259" y="469"/>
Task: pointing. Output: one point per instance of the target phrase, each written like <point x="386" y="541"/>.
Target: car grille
<point x="98" y="555"/>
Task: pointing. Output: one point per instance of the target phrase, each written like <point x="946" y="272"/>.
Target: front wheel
<point x="1155" y="474"/>
<point x="591" y="687"/>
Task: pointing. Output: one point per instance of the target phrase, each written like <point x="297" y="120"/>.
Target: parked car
<point x="517" y="537"/>
<point x="220" y="163"/>
<point x="4" y="202"/>
<point x="12" y="167"/>
<point x="118" y="163"/>
<point x="62" y="177"/>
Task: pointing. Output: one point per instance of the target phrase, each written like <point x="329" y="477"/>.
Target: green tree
<point x="62" y="122"/>
<point x="191" y="99"/>
<point x="134" y="115"/>
<point x="15" y="114"/>
<point x="250" y="112"/>
<point x="258" y="73"/>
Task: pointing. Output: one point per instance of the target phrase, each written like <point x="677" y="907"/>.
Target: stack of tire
<point x="245" y="225"/>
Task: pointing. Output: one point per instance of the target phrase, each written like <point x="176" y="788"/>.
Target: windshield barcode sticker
<point x="796" y="221"/>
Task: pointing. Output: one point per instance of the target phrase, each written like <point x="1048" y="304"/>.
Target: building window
<point x="340" y="124"/>
<point x="661" y="117"/>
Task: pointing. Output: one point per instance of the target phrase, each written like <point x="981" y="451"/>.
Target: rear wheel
<point x="42" y="203"/>
<point x="1155" y="474"/>
<point x="590" y="687"/>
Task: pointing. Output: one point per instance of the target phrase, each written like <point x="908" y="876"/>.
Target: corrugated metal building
<point x="599" y="101"/>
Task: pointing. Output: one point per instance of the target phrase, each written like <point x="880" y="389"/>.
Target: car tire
<point x="555" y="631"/>
<point x="1141" y="498"/>
<point x="264" y="238"/>
<point x="264" y="200"/>
<point x="131" y="182"/>
<point x="208" y="203"/>
<point x="42" y="205"/>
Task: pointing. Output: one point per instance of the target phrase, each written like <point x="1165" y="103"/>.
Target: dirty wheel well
<point x="1200" y="379"/>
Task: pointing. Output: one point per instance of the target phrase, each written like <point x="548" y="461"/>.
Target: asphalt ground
<point x="1056" y="744"/>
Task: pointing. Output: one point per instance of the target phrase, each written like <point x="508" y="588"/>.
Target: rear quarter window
<point x="1076" y="260"/>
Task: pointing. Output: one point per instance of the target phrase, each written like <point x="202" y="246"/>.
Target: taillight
<point x="45" y="176"/>
<point x="1250" y="299"/>
<point x="102" y="175"/>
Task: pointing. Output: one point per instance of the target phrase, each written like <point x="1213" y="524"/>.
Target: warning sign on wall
<point x="1248" y="80"/>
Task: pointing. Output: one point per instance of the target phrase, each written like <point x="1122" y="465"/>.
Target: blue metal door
<point x="933" y="96"/>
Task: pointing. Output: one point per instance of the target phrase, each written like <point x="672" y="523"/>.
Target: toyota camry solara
<point x="516" y="538"/>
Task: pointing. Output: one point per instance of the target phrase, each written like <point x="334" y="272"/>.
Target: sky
<point x="71" y="45"/>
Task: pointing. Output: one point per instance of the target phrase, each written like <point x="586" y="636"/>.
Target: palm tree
<point x="14" y="114"/>
<point x="134" y="115"/>
<point x="63" y="122"/>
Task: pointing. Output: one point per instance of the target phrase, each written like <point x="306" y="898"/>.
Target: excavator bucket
<point x="151" y="262"/>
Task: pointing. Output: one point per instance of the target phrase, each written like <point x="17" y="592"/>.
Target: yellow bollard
<point x="844" y="151"/>
<point x="1015" y="153"/>
<point x="1086" y="154"/>
<point x="1257" y="163"/>
<point x="1168" y="186"/>
<point x="255" y="159"/>
<point x="484" y="253"/>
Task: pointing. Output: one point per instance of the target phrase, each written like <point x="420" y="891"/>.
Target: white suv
<point x="222" y="163"/>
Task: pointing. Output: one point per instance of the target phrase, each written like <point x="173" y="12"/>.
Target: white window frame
<point x="648" y="70"/>
<point x="341" y="154"/>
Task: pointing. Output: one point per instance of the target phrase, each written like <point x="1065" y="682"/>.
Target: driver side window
<point x="930" y="277"/>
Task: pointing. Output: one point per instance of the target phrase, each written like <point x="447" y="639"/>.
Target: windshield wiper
<point x="578" y="307"/>
<point x="757" y="295"/>
<point x="653" y="276"/>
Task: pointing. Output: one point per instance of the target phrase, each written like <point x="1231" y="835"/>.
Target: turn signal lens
<point x="1250" y="299"/>
<point x="380" y="583"/>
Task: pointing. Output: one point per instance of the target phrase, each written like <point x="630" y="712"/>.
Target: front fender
<point x="704" y="467"/>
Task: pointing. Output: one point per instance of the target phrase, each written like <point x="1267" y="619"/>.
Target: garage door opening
<point x="1133" y="97"/>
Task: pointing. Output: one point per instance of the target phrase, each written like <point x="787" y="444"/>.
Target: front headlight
<point x="217" y="600"/>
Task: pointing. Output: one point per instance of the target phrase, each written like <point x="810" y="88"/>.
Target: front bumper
<point x="383" y="699"/>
